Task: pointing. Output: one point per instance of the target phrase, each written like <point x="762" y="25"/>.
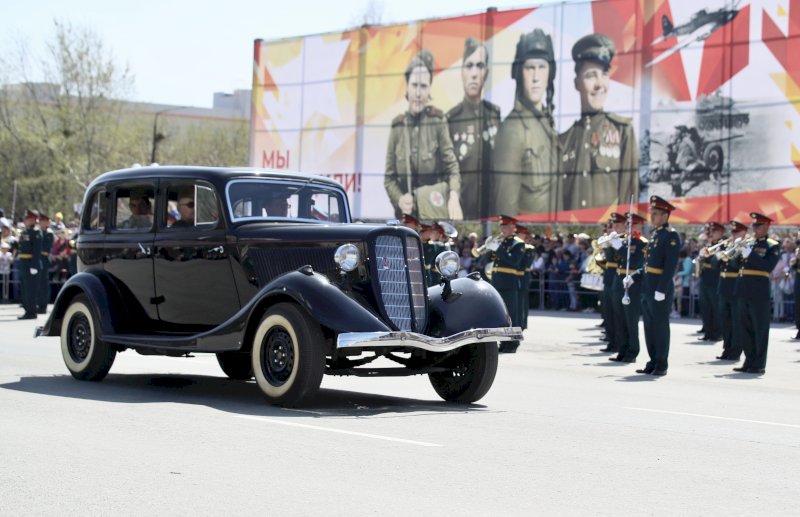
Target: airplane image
<point x="701" y="25"/>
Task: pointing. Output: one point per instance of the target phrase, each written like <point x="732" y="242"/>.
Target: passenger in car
<point x="277" y="205"/>
<point x="141" y="211"/>
<point x="185" y="208"/>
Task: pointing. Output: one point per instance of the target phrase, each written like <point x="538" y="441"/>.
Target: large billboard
<point x="556" y="113"/>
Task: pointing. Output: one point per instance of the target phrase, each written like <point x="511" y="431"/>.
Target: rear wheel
<point x="236" y="365"/>
<point x="472" y="376"/>
<point x="87" y="358"/>
<point x="287" y="358"/>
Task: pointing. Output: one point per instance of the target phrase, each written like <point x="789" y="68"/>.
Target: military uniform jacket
<point x="48" y="237"/>
<point x="709" y="272"/>
<point x="472" y="130"/>
<point x="428" y="151"/>
<point x="662" y="257"/>
<point x="754" y="283"/>
<point x="508" y="264"/>
<point x="599" y="162"/>
<point x="430" y="250"/>
<point x="30" y="248"/>
<point x="612" y="258"/>
<point x="527" y="261"/>
<point x="638" y="254"/>
<point x="525" y="164"/>
<point x="729" y="272"/>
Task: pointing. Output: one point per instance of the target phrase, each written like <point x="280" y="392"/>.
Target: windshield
<point x="282" y="200"/>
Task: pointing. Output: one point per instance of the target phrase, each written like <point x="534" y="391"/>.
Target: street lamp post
<point x="157" y="137"/>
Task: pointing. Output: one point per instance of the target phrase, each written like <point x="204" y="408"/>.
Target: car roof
<point x="212" y="174"/>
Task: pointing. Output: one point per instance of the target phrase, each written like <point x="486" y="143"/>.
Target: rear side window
<point x="134" y="208"/>
<point x="190" y="205"/>
<point x="94" y="215"/>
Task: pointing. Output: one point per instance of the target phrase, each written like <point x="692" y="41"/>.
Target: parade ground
<point x="563" y="431"/>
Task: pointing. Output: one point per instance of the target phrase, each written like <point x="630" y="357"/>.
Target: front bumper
<point x="432" y="344"/>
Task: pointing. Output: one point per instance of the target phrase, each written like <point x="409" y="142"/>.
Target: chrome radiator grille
<point x="400" y="277"/>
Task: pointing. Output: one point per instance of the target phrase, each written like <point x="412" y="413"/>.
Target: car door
<point x="194" y="281"/>
<point x="129" y="246"/>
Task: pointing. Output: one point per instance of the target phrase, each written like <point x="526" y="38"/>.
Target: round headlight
<point x="447" y="263"/>
<point x="347" y="257"/>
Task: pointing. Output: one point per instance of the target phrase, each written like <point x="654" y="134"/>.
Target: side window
<point x="94" y="215"/>
<point x="190" y="205"/>
<point x="134" y="208"/>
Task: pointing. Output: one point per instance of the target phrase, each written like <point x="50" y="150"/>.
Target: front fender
<point x="473" y="304"/>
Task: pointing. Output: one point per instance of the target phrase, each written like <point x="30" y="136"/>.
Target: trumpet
<point x="708" y="251"/>
<point x="492" y="243"/>
<point x="604" y="239"/>
<point x="738" y="245"/>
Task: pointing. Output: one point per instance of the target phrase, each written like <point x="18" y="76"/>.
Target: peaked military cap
<point x="760" y="218"/>
<point x="736" y="226"/>
<point x="522" y="230"/>
<point x="616" y="217"/>
<point x="506" y="219"/>
<point x="425" y="226"/>
<point x="713" y="225"/>
<point x="637" y="219"/>
<point x="410" y="219"/>
<point x="423" y="58"/>
<point x="661" y="204"/>
<point x="42" y="215"/>
<point x="594" y="47"/>
<point x="31" y="213"/>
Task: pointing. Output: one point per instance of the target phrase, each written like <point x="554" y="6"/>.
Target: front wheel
<point x="472" y="374"/>
<point x="287" y="358"/>
<point x="87" y="358"/>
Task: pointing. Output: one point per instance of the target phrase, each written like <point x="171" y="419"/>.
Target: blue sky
<point x="181" y="52"/>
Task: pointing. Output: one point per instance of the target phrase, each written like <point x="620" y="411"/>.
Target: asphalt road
<point x="563" y="431"/>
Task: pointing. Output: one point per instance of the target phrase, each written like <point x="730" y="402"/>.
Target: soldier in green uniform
<point x="422" y="174"/>
<point x="760" y="255"/>
<point x="30" y="249"/>
<point x="730" y="322"/>
<point x="507" y="252"/>
<point x="525" y="283"/>
<point x="658" y="288"/>
<point x="473" y="125"/>
<point x="629" y="282"/>
<point x="525" y="159"/>
<point x="599" y="161"/>
<point x="611" y="251"/>
<point x="48" y="237"/>
<point x="710" y="302"/>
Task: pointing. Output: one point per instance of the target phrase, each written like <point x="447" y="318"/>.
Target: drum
<point x="592" y="281"/>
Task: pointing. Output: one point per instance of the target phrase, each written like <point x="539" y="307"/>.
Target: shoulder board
<point x="491" y="107"/>
<point x="517" y="239"/>
<point x="529" y="246"/>
<point x="643" y="239"/>
<point x="455" y="110"/>
<point x="772" y="242"/>
<point x="399" y="120"/>
<point x="434" y="112"/>
<point x="619" y="119"/>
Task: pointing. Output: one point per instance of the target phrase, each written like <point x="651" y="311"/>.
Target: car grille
<point x="398" y="262"/>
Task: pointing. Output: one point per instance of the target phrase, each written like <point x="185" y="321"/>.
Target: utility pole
<point x="157" y="137"/>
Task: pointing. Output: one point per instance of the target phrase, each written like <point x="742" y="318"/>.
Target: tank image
<point x="714" y="112"/>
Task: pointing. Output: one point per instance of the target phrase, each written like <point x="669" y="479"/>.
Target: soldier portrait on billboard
<point x="599" y="158"/>
<point x="422" y="175"/>
<point x="473" y="126"/>
<point x="525" y="159"/>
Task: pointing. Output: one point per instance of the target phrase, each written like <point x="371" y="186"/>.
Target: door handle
<point x="218" y="249"/>
<point x="146" y="251"/>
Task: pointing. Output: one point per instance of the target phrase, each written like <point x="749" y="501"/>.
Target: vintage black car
<point x="266" y="270"/>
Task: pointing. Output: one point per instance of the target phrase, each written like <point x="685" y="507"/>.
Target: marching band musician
<point x="429" y="252"/>
<point x="628" y="285"/>
<point x="729" y="272"/>
<point x="525" y="284"/>
<point x="759" y="257"/>
<point x="710" y="304"/>
<point x="507" y="252"/>
<point x="658" y="288"/>
<point x="611" y="244"/>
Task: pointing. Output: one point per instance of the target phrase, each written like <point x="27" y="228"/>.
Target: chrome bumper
<point x="432" y="344"/>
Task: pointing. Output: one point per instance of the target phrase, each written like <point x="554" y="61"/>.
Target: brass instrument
<point x="450" y="233"/>
<point x="707" y="252"/>
<point x="604" y="239"/>
<point x="597" y="255"/>
<point x="738" y="245"/>
<point x="491" y="241"/>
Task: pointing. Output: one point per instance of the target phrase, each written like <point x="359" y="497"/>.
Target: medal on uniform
<point x="462" y="150"/>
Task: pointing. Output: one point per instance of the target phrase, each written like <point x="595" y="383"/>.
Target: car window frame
<point x="292" y="182"/>
<point x="86" y="212"/>
<point x="163" y="202"/>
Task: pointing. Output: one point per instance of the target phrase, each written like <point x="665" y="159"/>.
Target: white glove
<point x="627" y="281"/>
<point x="34" y="270"/>
<point x="616" y="243"/>
<point x="786" y="270"/>
<point x="492" y="244"/>
<point x="746" y="251"/>
<point x="659" y="296"/>
<point x="737" y="240"/>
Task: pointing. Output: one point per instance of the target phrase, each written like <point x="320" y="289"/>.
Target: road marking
<point x="340" y="431"/>
<point x="796" y="426"/>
